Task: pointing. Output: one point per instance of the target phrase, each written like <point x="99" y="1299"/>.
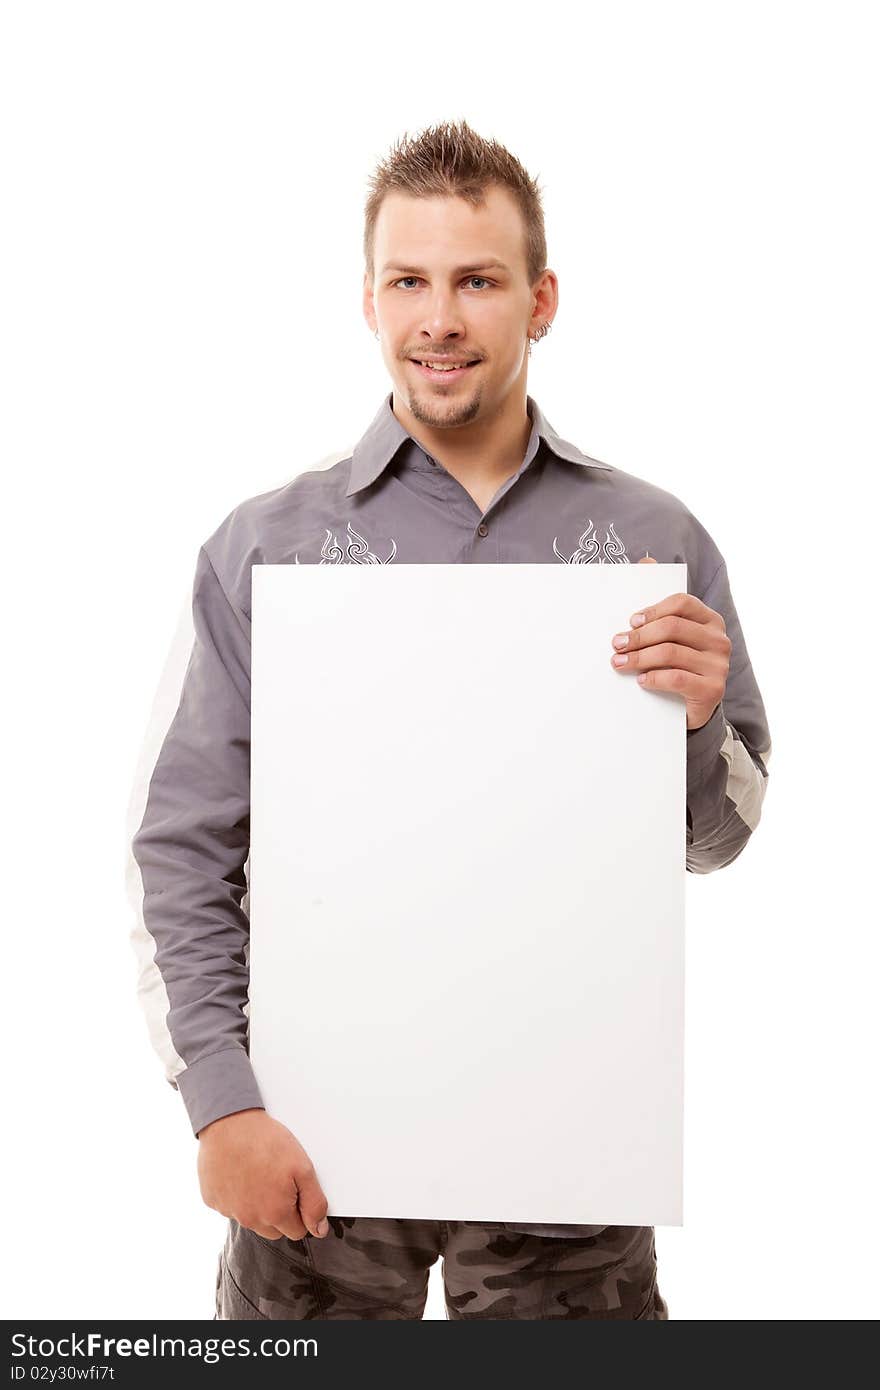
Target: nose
<point x="442" y="318"/>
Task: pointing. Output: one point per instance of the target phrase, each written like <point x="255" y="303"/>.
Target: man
<point x="460" y="466"/>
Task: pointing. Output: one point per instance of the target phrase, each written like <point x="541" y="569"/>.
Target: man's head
<point x="455" y="253"/>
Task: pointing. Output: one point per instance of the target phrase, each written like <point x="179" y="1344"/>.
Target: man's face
<point x="451" y="285"/>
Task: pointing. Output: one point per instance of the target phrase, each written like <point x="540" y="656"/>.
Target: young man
<point x="459" y="466"/>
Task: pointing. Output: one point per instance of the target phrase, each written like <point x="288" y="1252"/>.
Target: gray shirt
<point x="386" y="501"/>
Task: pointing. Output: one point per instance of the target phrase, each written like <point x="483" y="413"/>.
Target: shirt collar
<point x="378" y="446"/>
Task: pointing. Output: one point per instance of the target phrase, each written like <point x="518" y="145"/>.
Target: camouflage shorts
<point x="378" y="1268"/>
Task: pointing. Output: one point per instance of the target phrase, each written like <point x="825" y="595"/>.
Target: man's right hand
<point x="253" y="1169"/>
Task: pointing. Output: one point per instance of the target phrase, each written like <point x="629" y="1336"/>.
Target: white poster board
<point x="467" y="888"/>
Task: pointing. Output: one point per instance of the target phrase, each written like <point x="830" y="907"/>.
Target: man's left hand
<point x="679" y="644"/>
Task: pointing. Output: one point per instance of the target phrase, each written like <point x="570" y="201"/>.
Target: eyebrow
<point x="459" y="270"/>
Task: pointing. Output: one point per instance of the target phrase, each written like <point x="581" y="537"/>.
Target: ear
<point x="368" y="306"/>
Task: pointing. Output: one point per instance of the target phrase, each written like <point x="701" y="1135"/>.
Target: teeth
<point x="435" y="367"/>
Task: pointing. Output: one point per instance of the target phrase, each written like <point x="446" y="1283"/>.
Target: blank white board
<point x="467" y="881"/>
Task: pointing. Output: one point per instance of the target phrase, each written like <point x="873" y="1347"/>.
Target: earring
<point x="544" y="329"/>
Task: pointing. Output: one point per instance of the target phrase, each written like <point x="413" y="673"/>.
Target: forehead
<point x="445" y="228"/>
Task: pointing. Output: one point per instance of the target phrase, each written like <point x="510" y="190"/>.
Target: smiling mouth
<point x="452" y="373"/>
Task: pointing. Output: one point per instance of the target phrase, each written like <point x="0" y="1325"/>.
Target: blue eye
<point x="416" y="277"/>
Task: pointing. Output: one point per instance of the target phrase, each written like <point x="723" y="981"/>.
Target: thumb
<point x="647" y="560"/>
<point x="313" y="1205"/>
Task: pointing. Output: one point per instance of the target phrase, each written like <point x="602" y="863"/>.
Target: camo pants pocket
<point x="610" y="1276"/>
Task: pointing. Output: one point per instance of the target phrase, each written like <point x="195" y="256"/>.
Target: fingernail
<point x="323" y="1226"/>
<point x="637" y="619"/>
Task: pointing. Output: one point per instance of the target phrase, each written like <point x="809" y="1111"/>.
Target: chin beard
<point x="446" y="413"/>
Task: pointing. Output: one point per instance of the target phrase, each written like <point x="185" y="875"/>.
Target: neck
<point x="488" y="448"/>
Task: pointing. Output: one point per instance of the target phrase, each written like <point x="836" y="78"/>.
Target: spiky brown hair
<point x="452" y="159"/>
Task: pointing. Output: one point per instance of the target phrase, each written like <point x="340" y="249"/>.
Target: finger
<point x="685" y="605"/>
<point x="700" y="689"/>
<point x="269" y="1232"/>
<point x="670" y="656"/>
<point x="293" y="1228"/>
<point x="674" y="628"/>
<point x="290" y="1220"/>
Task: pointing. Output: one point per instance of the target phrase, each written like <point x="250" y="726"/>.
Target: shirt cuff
<point x="704" y="744"/>
<point x="219" y="1084"/>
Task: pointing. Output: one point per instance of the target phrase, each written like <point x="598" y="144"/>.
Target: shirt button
<point x="482" y="529"/>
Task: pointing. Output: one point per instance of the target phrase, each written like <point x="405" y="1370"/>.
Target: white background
<point x="183" y="188"/>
